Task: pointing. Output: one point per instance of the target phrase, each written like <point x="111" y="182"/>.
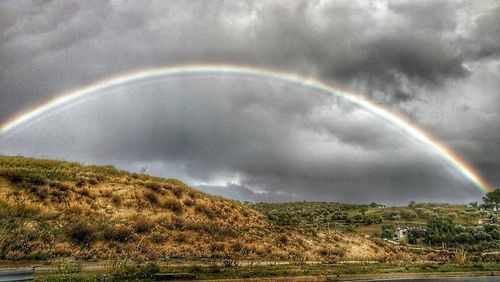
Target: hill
<point x="51" y="209"/>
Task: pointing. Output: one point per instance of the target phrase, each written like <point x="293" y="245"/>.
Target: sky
<point x="435" y="62"/>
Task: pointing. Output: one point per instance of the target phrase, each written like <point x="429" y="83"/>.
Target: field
<point x="323" y="270"/>
<point x="78" y="221"/>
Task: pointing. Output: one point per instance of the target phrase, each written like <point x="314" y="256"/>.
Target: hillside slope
<point x="52" y="209"/>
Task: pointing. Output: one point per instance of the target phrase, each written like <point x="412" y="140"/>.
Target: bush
<point x="173" y="205"/>
<point x="188" y="202"/>
<point x="159" y="237"/>
<point x="283" y="239"/>
<point x="340" y="216"/>
<point x="464" y="238"/>
<point x="85" y="192"/>
<point x="80" y="182"/>
<point x="387" y="231"/>
<point x="181" y="238"/>
<point x="218" y="247"/>
<point x="482" y="236"/>
<point x="178" y="191"/>
<point x="137" y="272"/>
<point x="116" y="199"/>
<point x="331" y="252"/>
<point x="119" y="232"/>
<point x="205" y="209"/>
<point x="409" y="215"/>
<point x="142" y="225"/>
<point x="394" y="217"/>
<point x="153" y="186"/>
<point x="81" y="232"/>
<point x="152" y="198"/>
<point x="92" y="181"/>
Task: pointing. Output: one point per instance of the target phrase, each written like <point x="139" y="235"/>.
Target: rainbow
<point x="401" y="122"/>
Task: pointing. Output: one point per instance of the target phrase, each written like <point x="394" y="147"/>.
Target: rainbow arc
<point x="385" y="114"/>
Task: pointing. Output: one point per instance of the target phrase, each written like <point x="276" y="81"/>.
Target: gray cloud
<point x="280" y="142"/>
<point x="485" y="39"/>
<point x="434" y="61"/>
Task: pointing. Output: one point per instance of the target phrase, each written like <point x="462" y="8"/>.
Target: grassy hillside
<point x="365" y="219"/>
<point x="438" y="225"/>
<point x="51" y="209"/>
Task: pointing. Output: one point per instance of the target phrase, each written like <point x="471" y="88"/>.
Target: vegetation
<point x="52" y="210"/>
<point x="95" y="213"/>
<point x="218" y="270"/>
<point x="492" y="199"/>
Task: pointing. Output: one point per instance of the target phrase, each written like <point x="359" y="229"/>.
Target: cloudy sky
<point x="435" y="62"/>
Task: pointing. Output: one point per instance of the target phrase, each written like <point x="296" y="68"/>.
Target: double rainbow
<point x="402" y="123"/>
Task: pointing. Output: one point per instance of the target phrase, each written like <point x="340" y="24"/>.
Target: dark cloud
<point x="401" y="64"/>
<point x="431" y="15"/>
<point x="62" y="44"/>
<point x="427" y="59"/>
<point x="280" y="142"/>
<point x="485" y="38"/>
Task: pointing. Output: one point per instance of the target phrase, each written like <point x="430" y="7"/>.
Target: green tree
<point x="440" y="229"/>
<point x="492" y="199"/>
<point x="409" y="214"/>
<point x="387" y="231"/>
<point x="415" y="234"/>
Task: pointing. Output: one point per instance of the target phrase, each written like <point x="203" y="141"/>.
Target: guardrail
<point x="17" y="275"/>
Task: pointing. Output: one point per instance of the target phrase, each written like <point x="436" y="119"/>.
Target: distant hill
<point x="51" y="209"/>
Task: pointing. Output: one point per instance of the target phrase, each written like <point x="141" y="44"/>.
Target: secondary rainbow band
<point x="420" y="135"/>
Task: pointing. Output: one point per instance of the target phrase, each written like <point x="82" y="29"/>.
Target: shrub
<point x="119" y="232"/>
<point x="205" y="209"/>
<point x="283" y="239"/>
<point x="137" y="272"/>
<point x="93" y="181"/>
<point x="387" y="231"/>
<point x="328" y="252"/>
<point x="80" y="182"/>
<point x="181" y="238"/>
<point x="340" y="216"/>
<point x="60" y="185"/>
<point x="482" y="236"/>
<point x="142" y="225"/>
<point x="178" y="191"/>
<point x="192" y="194"/>
<point x="394" y="217"/>
<point x="85" y="192"/>
<point x="178" y="222"/>
<point x="173" y="205"/>
<point x="116" y="199"/>
<point x="152" y="197"/>
<point x="218" y="247"/>
<point x="464" y="238"/>
<point x="188" y="202"/>
<point x="237" y="247"/>
<point x="409" y="214"/>
<point x="81" y="232"/>
<point x="159" y="237"/>
<point x="155" y="186"/>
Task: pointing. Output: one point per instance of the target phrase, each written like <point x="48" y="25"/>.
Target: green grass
<point x="332" y="270"/>
<point x="322" y="214"/>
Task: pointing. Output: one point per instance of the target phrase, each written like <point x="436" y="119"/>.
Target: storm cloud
<point x="434" y="61"/>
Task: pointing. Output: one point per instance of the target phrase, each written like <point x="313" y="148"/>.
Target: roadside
<point x="366" y="277"/>
<point x="268" y="271"/>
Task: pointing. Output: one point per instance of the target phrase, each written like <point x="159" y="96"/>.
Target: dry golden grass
<point x="52" y="209"/>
